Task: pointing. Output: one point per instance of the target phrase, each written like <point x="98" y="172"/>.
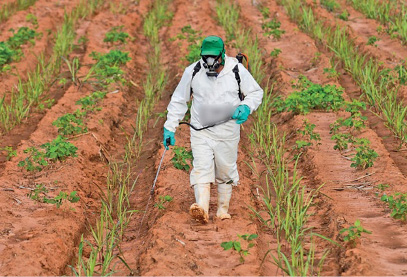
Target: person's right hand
<point x="169" y="138"/>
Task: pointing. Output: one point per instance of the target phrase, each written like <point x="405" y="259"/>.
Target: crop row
<point x="7" y="10"/>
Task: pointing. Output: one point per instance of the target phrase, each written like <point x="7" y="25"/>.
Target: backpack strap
<point x="197" y="67"/>
<point x="237" y="76"/>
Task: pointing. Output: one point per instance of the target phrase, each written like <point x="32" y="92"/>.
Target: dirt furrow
<point x="40" y="239"/>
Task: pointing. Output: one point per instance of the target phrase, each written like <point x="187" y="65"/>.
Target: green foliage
<point x="71" y="124"/>
<point x="59" y="149"/>
<point x="344" y="15"/>
<point x="342" y="141"/>
<point x="365" y="156"/>
<point x="372" y="40"/>
<point x="116" y="34"/>
<point x="237" y="246"/>
<point x="32" y="19"/>
<point x="107" y="68"/>
<point x="330" y="5"/>
<point x="88" y="103"/>
<point x="275" y="52"/>
<point x="57" y="200"/>
<point x="398" y="204"/>
<point x="354" y="232"/>
<point x="382" y="187"/>
<point x="272" y="28"/>
<point x="402" y="72"/>
<point x="308" y="131"/>
<point x="35" y="161"/>
<point x="7" y="55"/>
<point x="265" y="11"/>
<point x="10" y="152"/>
<point x="23" y="35"/>
<point x="162" y="200"/>
<point x="181" y="157"/>
<point x="331" y="72"/>
<point x="313" y="96"/>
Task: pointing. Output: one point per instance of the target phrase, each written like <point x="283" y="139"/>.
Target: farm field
<point x="84" y="87"/>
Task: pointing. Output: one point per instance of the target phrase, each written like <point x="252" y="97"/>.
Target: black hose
<point x="205" y="127"/>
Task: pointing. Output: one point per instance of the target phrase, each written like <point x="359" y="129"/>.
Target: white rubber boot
<point x="224" y="195"/>
<point x="199" y="210"/>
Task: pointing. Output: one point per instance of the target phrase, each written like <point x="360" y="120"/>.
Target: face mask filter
<point x="211" y="63"/>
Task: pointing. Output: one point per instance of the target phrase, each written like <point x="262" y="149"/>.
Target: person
<point x="213" y="84"/>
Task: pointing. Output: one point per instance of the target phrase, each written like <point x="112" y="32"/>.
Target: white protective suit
<point x="214" y="99"/>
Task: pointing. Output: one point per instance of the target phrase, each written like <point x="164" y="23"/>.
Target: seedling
<point x="344" y="15"/>
<point x="398" y="204"/>
<point x="35" y="193"/>
<point x="302" y="145"/>
<point x="331" y="72"/>
<point x="32" y="19"/>
<point x="402" y="72"/>
<point x="354" y="232"/>
<point x="365" y="156"/>
<point x="22" y="36"/>
<point x="330" y="5"/>
<point x="194" y="40"/>
<point x="309" y="131"/>
<point x="162" y="200"/>
<point x="71" y="124"/>
<point x="61" y="198"/>
<point x="275" y="52"/>
<point x="236" y="245"/>
<point x="181" y="157"/>
<point x="116" y="34"/>
<point x="342" y="141"/>
<point x="382" y="187"/>
<point x="264" y="11"/>
<point x="35" y="161"/>
<point x="59" y="149"/>
<point x="272" y="28"/>
<point x="372" y="40"/>
<point x="10" y="152"/>
<point x="88" y="103"/>
<point x="47" y="104"/>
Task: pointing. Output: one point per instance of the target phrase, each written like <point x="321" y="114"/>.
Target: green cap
<point x="212" y="46"/>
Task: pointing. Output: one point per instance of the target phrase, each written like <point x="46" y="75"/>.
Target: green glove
<point x="169" y="138"/>
<point x="241" y="114"/>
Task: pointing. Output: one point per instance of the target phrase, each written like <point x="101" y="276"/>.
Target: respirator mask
<point x="211" y="64"/>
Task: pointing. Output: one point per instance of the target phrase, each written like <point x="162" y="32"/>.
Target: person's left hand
<point x="241" y="114"/>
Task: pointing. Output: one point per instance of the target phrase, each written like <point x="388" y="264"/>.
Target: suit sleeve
<point x="178" y="104"/>
<point x="250" y="88"/>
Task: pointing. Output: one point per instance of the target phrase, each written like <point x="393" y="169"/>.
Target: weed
<point x="272" y="28"/>
<point x="342" y="141"/>
<point x="10" y="152"/>
<point x="344" y="15"/>
<point x="71" y="124"/>
<point x="59" y="149"/>
<point x="275" y="52"/>
<point x="181" y="156"/>
<point x="73" y="67"/>
<point x="35" y="161"/>
<point x="372" y="40"/>
<point x="32" y="19"/>
<point x="353" y="232"/>
<point x="365" y="156"/>
<point x="116" y="34"/>
<point x="398" y="204"/>
<point x="162" y="200"/>
<point x="236" y="245"/>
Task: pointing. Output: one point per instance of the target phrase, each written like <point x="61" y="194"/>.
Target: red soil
<point x="37" y="239"/>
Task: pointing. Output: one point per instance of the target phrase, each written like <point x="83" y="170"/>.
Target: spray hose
<point x="205" y="127"/>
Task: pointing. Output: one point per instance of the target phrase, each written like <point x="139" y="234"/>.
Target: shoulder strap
<point x="237" y="76"/>
<point x="197" y="67"/>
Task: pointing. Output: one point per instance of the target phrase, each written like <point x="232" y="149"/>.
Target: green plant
<point x="275" y="52"/>
<point x="35" y="193"/>
<point x="194" y="39"/>
<point x="344" y="15"/>
<point x="181" y="157"/>
<point x="265" y="11"/>
<point x="47" y="104"/>
<point x="382" y="187"/>
<point x="365" y="156"/>
<point x="162" y="200"/>
<point x="314" y="96"/>
<point x="59" y="149"/>
<point x="71" y="124"/>
<point x="237" y="246"/>
<point x="116" y="34"/>
<point x="331" y="72"/>
<point x="272" y="27"/>
<point x="73" y="68"/>
<point x="10" y="152"/>
<point x="402" y="72"/>
<point x="398" y="204"/>
<point x="35" y="161"/>
<point x="88" y="103"/>
<point x="330" y="5"/>
<point x="309" y="131"/>
<point x="32" y="19"/>
<point x="342" y="141"/>
<point x="372" y="40"/>
<point x="353" y="232"/>
<point x="61" y="197"/>
<point x="22" y="36"/>
<point x="302" y="144"/>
